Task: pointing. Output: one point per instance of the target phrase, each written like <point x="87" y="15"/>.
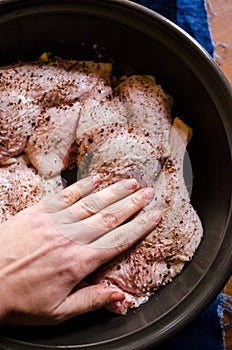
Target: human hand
<point x="49" y="248"/>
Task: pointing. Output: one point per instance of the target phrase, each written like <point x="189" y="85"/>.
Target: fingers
<point x="71" y="194"/>
<point x="123" y="237"/>
<point x="95" y="202"/>
<point x="118" y="212"/>
<point x="83" y="300"/>
<point x="87" y="299"/>
<point x="97" y="225"/>
<point x="116" y="241"/>
<point x="80" y="189"/>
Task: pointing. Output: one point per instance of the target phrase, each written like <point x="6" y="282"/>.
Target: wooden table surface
<point x="220" y="15"/>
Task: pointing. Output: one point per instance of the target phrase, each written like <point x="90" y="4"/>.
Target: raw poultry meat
<point x="156" y="259"/>
<point x="148" y="108"/>
<point x="123" y="155"/>
<point x="128" y="135"/>
<point x="51" y="148"/>
<point x="21" y="186"/>
<point x="59" y="112"/>
<point x="30" y="93"/>
<point x="98" y="122"/>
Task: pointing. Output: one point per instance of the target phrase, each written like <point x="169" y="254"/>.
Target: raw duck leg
<point x="52" y="147"/>
<point x="122" y="155"/>
<point x="127" y="136"/>
<point x="28" y="90"/>
<point x="140" y="106"/>
<point x="148" y="108"/>
<point x="21" y="186"/>
<point x="156" y="259"/>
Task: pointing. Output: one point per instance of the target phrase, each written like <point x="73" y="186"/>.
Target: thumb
<point x="87" y="299"/>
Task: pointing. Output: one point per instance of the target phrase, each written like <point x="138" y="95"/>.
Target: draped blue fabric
<point x="190" y="15"/>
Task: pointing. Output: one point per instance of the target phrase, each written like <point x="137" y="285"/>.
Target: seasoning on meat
<point x="65" y="112"/>
<point x="148" y="107"/>
<point x="31" y="92"/>
<point x="129" y="134"/>
<point x="156" y="259"/>
<point x="22" y="186"/>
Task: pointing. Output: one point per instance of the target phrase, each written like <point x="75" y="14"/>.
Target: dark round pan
<point x="138" y="40"/>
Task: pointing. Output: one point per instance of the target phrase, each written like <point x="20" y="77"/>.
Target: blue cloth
<point x="204" y="333"/>
<point x="190" y="15"/>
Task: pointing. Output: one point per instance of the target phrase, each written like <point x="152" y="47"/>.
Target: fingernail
<point x="155" y="215"/>
<point x="131" y="184"/>
<point x="96" y="179"/>
<point x="148" y="193"/>
<point x="117" y="296"/>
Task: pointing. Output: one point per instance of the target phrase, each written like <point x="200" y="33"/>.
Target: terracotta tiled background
<point x="220" y="15"/>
